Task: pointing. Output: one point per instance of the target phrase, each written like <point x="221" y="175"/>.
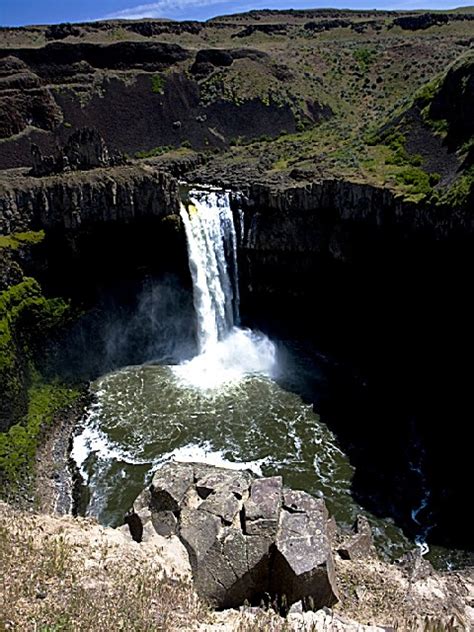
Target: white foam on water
<point x="93" y="441"/>
<point x="204" y="453"/>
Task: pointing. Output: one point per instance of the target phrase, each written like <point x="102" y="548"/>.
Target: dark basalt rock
<point x="327" y="25"/>
<point x="262" y="509"/>
<point x="303" y="567"/>
<point x="420" y="22"/>
<point x="247" y="539"/>
<point x="23" y="100"/>
<point x="61" y="31"/>
<point x="454" y="101"/>
<point x="214" y="56"/>
<point x="85" y="149"/>
<point x="121" y="195"/>
<point x="207" y="60"/>
<point x="169" y="486"/>
<point x="150" y="28"/>
<point x="56" y="56"/>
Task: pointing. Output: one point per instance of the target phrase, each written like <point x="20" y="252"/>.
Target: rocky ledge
<point x="248" y="539"/>
<point x="77" y="199"/>
<point x="253" y="543"/>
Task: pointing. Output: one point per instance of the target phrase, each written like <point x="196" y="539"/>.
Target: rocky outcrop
<point x="52" y="59"/>
<point x="320" y="217"/>
<point x="358" y="269"/>
<point x="209" y="59"/>
<point x="359" y="545"/>
<point x="248" y="540"/>
<point x="69" y="202"/>
<point x="24" y="100"/>
<point x="85" y="149"/>
<point x="454" y="100"/>
<point x="421" y="22"/>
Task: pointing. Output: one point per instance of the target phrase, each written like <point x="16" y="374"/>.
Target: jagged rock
<point x="262" y="510"/>
<point x="61" y="31"/>
<point x="216" y="479"/>
<point x="207" y="60"/>
<point x="361" y="544"/>
<point x="223" y="504"/>
<point x="415" y="565"/>
<point x="420" y="22"/>
<point x="211" y="57"/>
<point x="327" y="25"/>
<point x="247" y="539"/>
<point x="24" y="100"/>
<point x="198" y="530"/>
<point x="118" y="55"/>
<point x="164" y="522"/>
<point x="303" y="567"/>
<point x="169" y="485"/>
<point x="85" y="149"/>
<point x="119" y="194"/>
<point x="150" y="28"/>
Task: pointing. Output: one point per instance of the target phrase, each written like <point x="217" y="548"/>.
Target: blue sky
<point x="18" y="12"/>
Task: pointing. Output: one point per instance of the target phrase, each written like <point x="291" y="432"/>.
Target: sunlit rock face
<point x="248" y="539"/>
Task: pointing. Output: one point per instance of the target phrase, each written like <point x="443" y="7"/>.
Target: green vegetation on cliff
<point x="27" y="319"/>
<point x="18" y="445"/>
<point x="158" y="84"/>
<point x="15" y="240"/>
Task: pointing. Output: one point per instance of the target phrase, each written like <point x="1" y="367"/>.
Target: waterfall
<point x="227" y="353"/>
<point x="212" y="252"/>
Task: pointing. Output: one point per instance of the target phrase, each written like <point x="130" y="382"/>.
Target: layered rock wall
<point x="120" y="195"/>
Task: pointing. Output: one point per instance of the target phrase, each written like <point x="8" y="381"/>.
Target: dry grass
<point x="60" y="574"/>
<point x="51" y="582"/>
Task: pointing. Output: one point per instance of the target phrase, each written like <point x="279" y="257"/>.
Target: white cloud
<point x="157" y="9"/>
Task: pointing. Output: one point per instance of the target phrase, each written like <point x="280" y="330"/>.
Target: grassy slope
<point x="366" y="69"/>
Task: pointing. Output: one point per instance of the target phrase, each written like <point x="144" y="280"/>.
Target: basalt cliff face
<point x="77" y="200"/>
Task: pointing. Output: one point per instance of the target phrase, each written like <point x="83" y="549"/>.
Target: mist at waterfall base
<point x="209" y="391"/>
<point x="144" y="320"/>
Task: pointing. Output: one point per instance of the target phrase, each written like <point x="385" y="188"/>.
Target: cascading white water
<point x="209" y="230"/>
<point x="226" y="352"/>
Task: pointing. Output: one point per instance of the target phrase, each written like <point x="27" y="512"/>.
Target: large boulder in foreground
<point x="248" y="539"/>
<point x="303" y="564"/>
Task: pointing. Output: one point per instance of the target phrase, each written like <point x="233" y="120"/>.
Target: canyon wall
<point x="377" y="281"/>
<point x="381" y="283"/>
<point x="120" y="194"/>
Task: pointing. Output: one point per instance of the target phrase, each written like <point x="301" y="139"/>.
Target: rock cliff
<point x="71" y="201"/>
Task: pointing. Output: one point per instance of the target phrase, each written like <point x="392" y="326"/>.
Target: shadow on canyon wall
<point x="392" y="333"/>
